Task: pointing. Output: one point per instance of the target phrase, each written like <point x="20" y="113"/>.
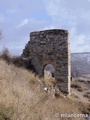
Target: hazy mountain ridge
<point x="80" y="63"/>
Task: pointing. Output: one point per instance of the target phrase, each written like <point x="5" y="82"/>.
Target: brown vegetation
<point x="78" y="87"/>
<point x="22" y="97"/>
<point x="18" y="61"/>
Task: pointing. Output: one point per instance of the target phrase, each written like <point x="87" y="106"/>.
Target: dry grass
<point x="78" y="87"/>
<point x="18" y="61"/>
<point x="87" y="95"/>
<point x="22" y="95"/>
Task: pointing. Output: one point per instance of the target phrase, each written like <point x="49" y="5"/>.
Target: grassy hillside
<point x="22" y="97"/>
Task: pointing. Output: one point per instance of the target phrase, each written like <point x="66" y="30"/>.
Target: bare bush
<point x="5" y="55"/>
<point x="16" y="60"/>
<point x="75" y="86"/>
<point x="87" y="95"/>
<point x="78" y="87"/>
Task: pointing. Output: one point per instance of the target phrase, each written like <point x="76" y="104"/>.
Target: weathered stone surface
<point x="51" y="47"/>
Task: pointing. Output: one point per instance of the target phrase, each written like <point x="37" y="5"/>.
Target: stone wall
<point x="51" y="47"/>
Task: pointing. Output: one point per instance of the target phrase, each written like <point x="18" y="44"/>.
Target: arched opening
<point x="49" y="71"/>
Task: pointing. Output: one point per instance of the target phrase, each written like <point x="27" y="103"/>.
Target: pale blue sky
<point x="20" y="17"/>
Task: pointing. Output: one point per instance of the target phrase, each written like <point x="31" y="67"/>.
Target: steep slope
<point x="22" y="96"/>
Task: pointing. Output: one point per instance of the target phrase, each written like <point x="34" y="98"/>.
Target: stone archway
<point x="49" y="71"/>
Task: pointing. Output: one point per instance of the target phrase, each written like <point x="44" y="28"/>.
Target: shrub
<point x="5" y="55"/>
<point x="75" y="86"/>
<point x="16" y="60"/>
<point x="87" y="96"/>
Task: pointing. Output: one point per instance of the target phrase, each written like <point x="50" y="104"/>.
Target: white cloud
<point x="52" y="6"/>
<point x="68" y="12"/>
<point x="18" y="18"/>
<point x="24" y="22"/>
<point x="73" y="16"/>
<point x="79" y="42"/>
<point x="60" y="14"/>
<point x="17" y="37"/>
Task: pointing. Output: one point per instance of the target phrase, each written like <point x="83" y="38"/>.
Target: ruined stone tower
<point x="51" y="47"/>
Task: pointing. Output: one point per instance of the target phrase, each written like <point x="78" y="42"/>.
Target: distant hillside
<point x="80" y="63"/>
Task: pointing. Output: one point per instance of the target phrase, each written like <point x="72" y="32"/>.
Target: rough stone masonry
<point x="51" y="47"/>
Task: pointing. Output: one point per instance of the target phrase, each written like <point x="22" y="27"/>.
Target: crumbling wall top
<point x="51" y="31"/>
